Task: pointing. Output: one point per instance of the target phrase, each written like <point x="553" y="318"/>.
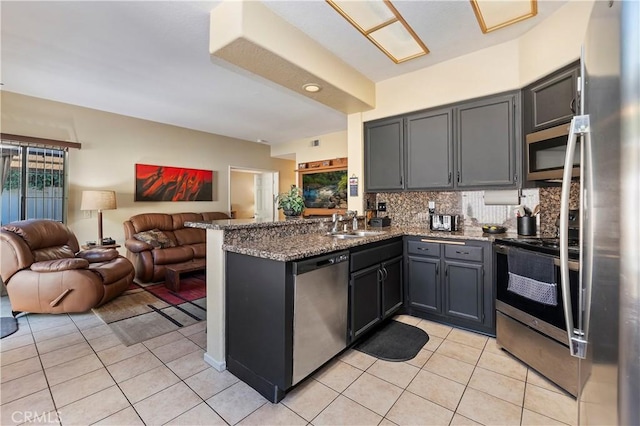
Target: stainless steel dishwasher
<point x="319" y="311"/>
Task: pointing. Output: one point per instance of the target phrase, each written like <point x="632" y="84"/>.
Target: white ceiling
<point x="151" y="60"/>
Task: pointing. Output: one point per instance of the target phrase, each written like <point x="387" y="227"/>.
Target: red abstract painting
<point x="162" y="183"/>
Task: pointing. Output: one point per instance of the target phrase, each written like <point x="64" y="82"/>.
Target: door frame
<point x="254" y="170"/>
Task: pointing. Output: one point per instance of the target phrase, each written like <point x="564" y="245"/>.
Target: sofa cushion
<point x="146" y="221"/>
<point x="53" y="253"/>
<point x="172" y="255"/>
<point x="179" y="219"/>
<point x="59" y="265"/>
<point x="98" y="254"/>
<point x="190" y="236"/>
<point x="199" y="250"/>
<point x="155" y="237"/>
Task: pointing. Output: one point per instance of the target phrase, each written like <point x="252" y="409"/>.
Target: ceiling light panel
<point x="382" y="24"/>
<point x="495" y="14"/>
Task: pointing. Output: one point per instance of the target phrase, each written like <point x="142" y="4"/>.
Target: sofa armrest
<point x="96" y="255"/>
<point x="137" y="246"/>
<point x="58" y="265"/>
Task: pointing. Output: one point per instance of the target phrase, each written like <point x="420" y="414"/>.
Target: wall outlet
<point x="432" y="206"/>
<point x="86" y="214"/>
<point x="382" y="207"/>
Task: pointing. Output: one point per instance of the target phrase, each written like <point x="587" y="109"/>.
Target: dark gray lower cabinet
<point x="463" y="290"/>
<point x="451" y="282"/>
<point x="423" y="275"/>
<point x="375" y="285"/>
<point x="364" y="290"/>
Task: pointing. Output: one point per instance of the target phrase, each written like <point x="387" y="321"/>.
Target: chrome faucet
<point x="337" y="218"/>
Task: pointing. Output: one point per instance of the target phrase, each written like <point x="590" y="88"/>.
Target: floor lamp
<point x="98" y="200"/>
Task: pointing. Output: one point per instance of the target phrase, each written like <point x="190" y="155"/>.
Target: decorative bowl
<point x="494" y="229"/>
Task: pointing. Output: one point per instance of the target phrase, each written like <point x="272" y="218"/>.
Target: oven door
<point x="545" y="318"/>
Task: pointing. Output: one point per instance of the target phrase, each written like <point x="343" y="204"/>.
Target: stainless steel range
<point x="530" y="322"/>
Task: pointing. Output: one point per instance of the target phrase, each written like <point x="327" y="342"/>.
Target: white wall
<point x="112" y="144"/>
<point x="332" y="145"/>
<point x="555" y="42"/>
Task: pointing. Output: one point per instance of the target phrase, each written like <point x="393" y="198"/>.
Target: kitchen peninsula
<point x="289" y="241"/>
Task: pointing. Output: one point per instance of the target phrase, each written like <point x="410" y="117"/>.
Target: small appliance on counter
<point x="444" y="222"/>
<point x="379" y="222"/>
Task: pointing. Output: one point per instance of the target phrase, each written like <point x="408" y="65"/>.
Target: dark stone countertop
<point x="298" y="246"/>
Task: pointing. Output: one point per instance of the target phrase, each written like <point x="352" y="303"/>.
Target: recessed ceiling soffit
<point x="249" y="35"/>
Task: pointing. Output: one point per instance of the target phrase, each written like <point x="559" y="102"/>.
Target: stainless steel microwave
<point x="546" y="151"/>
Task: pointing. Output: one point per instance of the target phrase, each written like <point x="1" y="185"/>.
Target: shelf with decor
<point x="324" y="185"/>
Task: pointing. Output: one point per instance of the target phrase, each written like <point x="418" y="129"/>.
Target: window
<point x="33" y="181"/>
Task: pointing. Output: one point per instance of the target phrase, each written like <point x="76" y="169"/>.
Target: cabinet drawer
<point x="473" y="254"/>
<point x="423" y="249"/>
<point x="363" y="258"/>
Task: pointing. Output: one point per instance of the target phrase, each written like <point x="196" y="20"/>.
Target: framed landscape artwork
<point x="163" y="183"/>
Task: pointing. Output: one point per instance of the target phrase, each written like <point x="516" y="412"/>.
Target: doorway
<point x="252" y="193"/>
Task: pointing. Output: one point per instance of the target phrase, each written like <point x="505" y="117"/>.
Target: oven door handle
<point x="577" y="343"/>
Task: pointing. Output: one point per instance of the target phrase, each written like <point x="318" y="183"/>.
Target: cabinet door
<point x="552" y="101"/>
<point x="486" y="145"/>
<point x="430" y="150"/>
<point x="383" y="155"/>
<point x="391" y="286"/>
<point x="424" y="284"/>
<point x="364" y="300"/>
<point x="463" y="291"/>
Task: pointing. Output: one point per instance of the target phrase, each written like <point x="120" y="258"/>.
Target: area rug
<point x="8" y="326"/>
<point x="146" y="311"/>
<point x="395" y="341"/>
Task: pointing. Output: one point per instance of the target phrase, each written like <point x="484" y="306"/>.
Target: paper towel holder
<point x="509" y="197"/>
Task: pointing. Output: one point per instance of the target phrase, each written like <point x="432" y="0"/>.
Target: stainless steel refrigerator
<point x="606" y="337"/>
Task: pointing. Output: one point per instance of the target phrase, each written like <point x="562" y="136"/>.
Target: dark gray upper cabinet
<point x="486" y="143"/>
<point x="430" y="150"/>
<point x="466" y="145"/>
<point x="383" y="152"/>
<point x="552" y="100"/>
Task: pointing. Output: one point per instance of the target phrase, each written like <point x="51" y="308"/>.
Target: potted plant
<point x="292" y="202"/>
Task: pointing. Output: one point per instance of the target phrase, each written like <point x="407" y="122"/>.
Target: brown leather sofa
<point x="179" y="244"/>
<point x="45" y="272"/>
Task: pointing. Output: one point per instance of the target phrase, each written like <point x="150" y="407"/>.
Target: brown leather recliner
<point x="184" y="244"/>
<point x="44" y="271"/>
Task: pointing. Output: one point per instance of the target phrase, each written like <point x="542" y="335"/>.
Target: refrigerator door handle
<point x="577" y="343"/>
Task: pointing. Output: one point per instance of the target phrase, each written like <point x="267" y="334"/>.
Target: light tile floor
<point x="71" y="369"/>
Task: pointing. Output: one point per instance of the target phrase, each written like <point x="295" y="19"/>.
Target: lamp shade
<point x="98" y="200"/>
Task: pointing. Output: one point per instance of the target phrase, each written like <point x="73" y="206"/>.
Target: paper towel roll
<point x="503" y="198"/>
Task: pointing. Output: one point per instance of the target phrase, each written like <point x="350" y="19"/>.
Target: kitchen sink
<point x="354" y="234"/>
<point x="368" y="233"/>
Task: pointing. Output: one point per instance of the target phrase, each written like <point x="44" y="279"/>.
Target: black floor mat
<point x="8" y="326"/>
<point x="395" y="341"/>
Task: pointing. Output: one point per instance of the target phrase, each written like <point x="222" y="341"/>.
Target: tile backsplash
<point x="410" y="208"/>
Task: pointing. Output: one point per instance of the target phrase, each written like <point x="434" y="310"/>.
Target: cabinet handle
<point x="423" y="249"/>
<point x="449" y="177"/>
<point x="437" y="269"/>
<point x="380" y="278"/>
<point x="385" y="273"/>
<point x="446" y="271"/>
<point x="462" y="252"/>
<point x="572" y="105"/>
<point x="400" y="180"/>
<point x="458" y="177"/>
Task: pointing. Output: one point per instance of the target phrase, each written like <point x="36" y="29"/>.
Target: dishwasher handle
<point x="319" y="262"/>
